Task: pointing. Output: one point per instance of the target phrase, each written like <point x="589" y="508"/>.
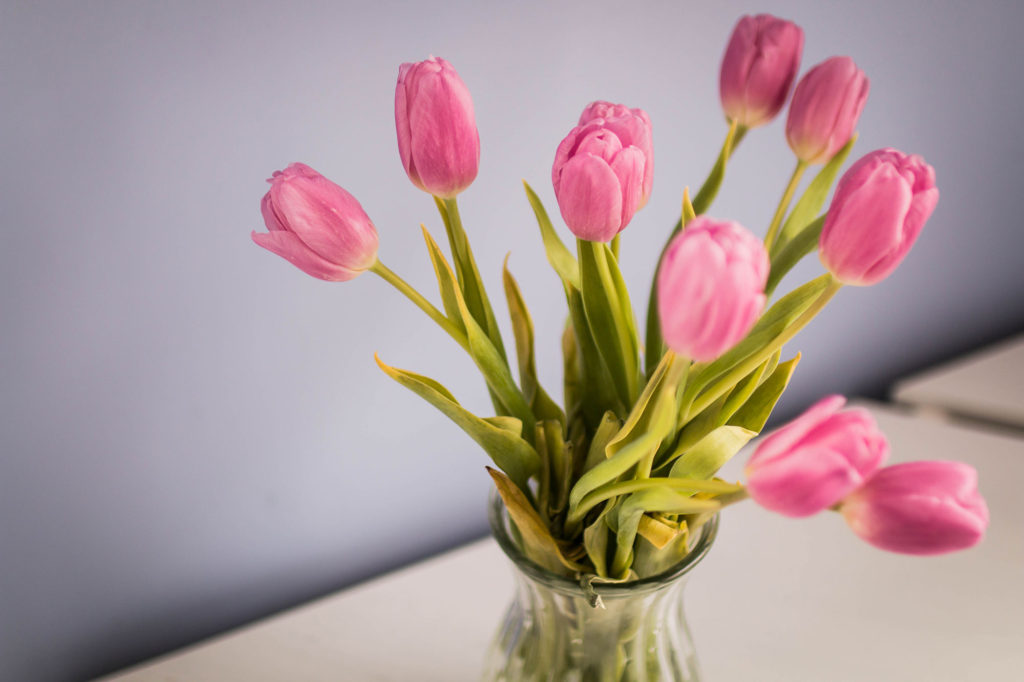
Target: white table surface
<point x="776" y="599"/>
<point x="986" y="385"/>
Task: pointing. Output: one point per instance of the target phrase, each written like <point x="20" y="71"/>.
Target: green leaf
<point x="813" y="197"/>
<point x="510" y="424"/>
<point x="625" y="306"/>
<point x="540" y="402"/>
<point x="650" y="559"/>
<point x="538" y="543"/>
<point x="494" y="368"/>
<point x="704" y="459"/>
<point x="696" y="427"/>
<point x="599" y="392"/>
<point x="572" y="375"/>
<point x="604" y="313"/>
<point x="709" y="190"/>
<point x="446" y="283"/>
<point x="560" y="258"/>
<point x="451" y="294"/>
<point x="595" y="541"/>
<point x="661" y="499"/>
<point x="657" y="531"/>
<point x="560" y="461"/>
<point x="755" y="412"/>
<point x="510" y="453"/>
<point x="606" y="430"/>
<point x="741" y="391"/>
<point x="805" y="241"/>
<point x="689" y="212"/>
<point x="473" y="292"/>
<point x="651" y="420"/>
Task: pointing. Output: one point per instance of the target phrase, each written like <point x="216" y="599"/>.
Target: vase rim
<point x="499" y="520"/>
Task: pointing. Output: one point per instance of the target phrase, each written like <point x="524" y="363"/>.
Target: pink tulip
<point x="826" y="105"/>
<point x="919" y="508"/>
<point x="816" y="460"/>
<point x="633" y="128"/>
<point x="598" y="181"/>
<point x="879" y="208"/>
<point x="758" y="68"/>
<point x="710" y="287"/>
<point x="316" y="225"/>
<point x="437" y="136"/>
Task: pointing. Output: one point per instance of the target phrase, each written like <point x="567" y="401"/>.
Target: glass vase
<point x="553" y="632"/>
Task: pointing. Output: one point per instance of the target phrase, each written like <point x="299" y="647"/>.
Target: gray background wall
<point x="194" y="433"/>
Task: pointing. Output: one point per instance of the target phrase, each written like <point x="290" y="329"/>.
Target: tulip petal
<point x="628" y="166"/>
<point x="782" y="440"/>
<point x="921" y="508"/>
<point x="878" y="208"/>
<point x="291" y="248"/>
<point x="590" y="198"/>
<point x="444" y="142"/>
<point x="402" y="125"/>
<point x="710" y="288"/>
<point x="327" y="219"/>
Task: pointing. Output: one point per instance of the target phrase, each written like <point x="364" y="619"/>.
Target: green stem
<point x="718" y="389"/>
<point x="653" y="346"/>
<point x="416" y="297"/>
<point x="787" y="197"/>
<point x="615" y="246"/>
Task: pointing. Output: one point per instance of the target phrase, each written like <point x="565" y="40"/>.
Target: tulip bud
<point x="758" y="68"/>
<point x="316" y="225"/>
<point x="437" y="136"/>
<point x="919" y="508"/>
<point x="598" y="181"/>
<point x="710" y="287"/>
<point x="879" y="208"/>
<point x="826" y="105"/>
<point x="817" y="459"/>
<point x="633" y="128"/>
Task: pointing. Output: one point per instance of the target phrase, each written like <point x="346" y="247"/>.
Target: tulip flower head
<point x="758" y="68"/>
<point x="316" y="225"/>
<point x="598" y="180"/>
<point x="815" y="460"/>
<point x="437" y="136"/>
<point x="710" y="287"/>
<point x="633" y="128"/>
<point x="919" y="508"/>
<point x="825" y="109"/>
<point x="880" y="205"/>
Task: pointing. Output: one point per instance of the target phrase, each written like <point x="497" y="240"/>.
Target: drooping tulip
<point x="816" y="460"/>
<point x="316" y="225"/>
<point x="633" y="128"/>
<point x="758" y="68"/>
<point x="598" y="181"/>
<point x="880" y="205"/>
<point x="437" y="136"/>
<point x="919" y="508"/>
<point x="825" y="109"/>
<point x="710" y="287"/>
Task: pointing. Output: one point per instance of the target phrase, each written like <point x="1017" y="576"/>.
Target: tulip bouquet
<point x="611" y="485"/>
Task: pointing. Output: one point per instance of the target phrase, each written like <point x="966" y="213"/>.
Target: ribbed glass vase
<point x="552" y="632"/>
